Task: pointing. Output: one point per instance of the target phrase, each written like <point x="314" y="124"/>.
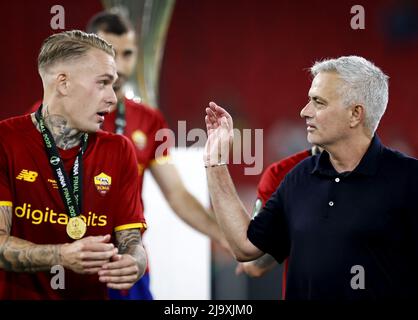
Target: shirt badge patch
<point x="102" y="183"/>
<point x="140" y="139"/>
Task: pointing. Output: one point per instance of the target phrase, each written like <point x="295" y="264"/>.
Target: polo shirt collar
<point x="368" y="164"/>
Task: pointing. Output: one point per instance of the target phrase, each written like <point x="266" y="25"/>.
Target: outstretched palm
<point x="220" y="132"/>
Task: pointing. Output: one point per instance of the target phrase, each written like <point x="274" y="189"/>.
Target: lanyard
<point x="71" y="194"/>
<point x="120" y="121"/>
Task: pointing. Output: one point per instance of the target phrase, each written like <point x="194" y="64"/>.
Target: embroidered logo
<point x="26" y="175"/>
<point x="102" y="183"/>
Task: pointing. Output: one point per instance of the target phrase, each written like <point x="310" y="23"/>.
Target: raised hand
<point x="219" y="126"/>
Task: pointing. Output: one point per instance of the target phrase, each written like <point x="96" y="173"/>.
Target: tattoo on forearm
<point x="264" y="261"/>
<point x="19" y="255"/>
<point x="128" y="241"/>
<point x="22" y="256"/>
<point x="5" y="220"/>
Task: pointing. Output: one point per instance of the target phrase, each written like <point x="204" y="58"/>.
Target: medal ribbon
<point x="120" y="121"/>
<point x="71" y="194"/>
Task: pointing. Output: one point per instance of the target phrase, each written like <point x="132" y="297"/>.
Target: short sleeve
<point x="129" y="209"/>
<point x="5" y="192"/>
<point x="268" y="230"/>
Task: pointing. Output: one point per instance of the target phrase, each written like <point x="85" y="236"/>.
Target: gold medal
<point x="76" y="228"/>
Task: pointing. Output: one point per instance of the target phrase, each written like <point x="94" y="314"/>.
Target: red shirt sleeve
<point x="5" y="194"/>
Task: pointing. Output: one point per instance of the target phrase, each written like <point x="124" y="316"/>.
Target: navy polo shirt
<point x="338" y="227"/>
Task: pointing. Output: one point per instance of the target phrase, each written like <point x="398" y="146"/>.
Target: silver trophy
<point x="150" y="19"/>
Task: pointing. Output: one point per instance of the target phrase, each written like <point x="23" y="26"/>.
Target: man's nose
<point x="306" y="111"/>
<point x="111" y="98"/>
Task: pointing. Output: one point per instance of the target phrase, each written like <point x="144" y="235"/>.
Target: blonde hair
<point x="70" y="45"/>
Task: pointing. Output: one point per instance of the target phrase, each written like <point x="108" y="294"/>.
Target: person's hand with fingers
<point x="219" y="126"/>
<point x="121" y="272"/>
<point x="87" y="255"/>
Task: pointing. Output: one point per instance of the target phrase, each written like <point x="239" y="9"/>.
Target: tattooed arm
<point x="20" y="255"/>
<point x="129" y="265"/>
<point x="83" y="256"/>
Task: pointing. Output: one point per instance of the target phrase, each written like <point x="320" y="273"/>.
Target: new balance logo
<point x="26" y="175"/>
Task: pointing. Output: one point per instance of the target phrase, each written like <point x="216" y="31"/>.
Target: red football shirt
<point x="142" y="125"/>
<point x="270" y="181"/>
<point x="111" y="201"/>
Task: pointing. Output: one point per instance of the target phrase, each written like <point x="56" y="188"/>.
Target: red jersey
<point x="142" y="125"/>
<point x="270" y="181"/>
<point x="111" y="201"/>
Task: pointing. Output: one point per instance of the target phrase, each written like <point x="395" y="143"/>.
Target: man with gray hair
<point x="346" y="218"/>
<point x="69" y="193"/>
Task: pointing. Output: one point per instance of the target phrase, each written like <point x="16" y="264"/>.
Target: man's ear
<point x="62" y="84"/>
<point x="357" y="115"/>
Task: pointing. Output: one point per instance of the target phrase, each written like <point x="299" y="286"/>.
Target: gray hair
<point x="70" y="45"/>
<point x="365" y="84"/>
